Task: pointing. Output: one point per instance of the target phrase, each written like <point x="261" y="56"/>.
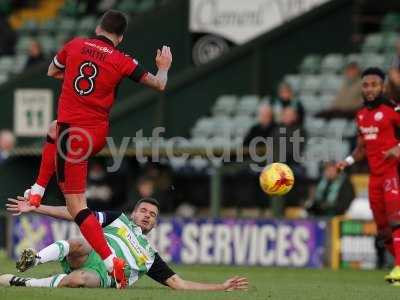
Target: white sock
<point x="109" y="263"/>
<point x="37" y="190"/>
<point x="52" y="281"/>
<point x="54" y="252"/>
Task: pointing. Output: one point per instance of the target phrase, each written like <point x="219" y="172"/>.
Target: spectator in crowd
<point x="35" y="54"/>
<point x="334" y="193"/>
<point x="145" y="187"/>
<point x="99" y="192"/>
<point x="396" y="60"/>
<point x="265" y="126"/>
<point x="105" y="191"/>
<point x="7" y="144"/>
<point x="392" y="88"/>
<point x="285" y="99"/>
<point x="348" y="100"/>
<point x="288" y="128"/>
<point x="288" y="147"/>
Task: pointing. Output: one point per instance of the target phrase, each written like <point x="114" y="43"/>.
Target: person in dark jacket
<point x="265" y="126"/>
<point x="333" y="194"/>
<point x="286" y="99"/>
<point x="35" y="54"/>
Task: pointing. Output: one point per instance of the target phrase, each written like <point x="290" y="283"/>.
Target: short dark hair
<point x="114" y="21"/>
<point x="374" y="71"/>
<point x="148" y="200"/>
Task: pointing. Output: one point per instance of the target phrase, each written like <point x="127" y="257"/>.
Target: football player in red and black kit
<point x="377" y="122"/>
<point x="91" y="69"/>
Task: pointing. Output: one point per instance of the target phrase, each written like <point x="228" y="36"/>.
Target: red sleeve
<point x="61" y="57"/>
<point x="396" y="116"/>
<point x="131" y="68"/>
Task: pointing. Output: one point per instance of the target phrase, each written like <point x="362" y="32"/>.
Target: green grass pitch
<point x="266" y="284"/>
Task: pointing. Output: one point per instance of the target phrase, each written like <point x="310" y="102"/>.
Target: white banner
<point x="33" y="111"/>
<point x="240" y="21"/>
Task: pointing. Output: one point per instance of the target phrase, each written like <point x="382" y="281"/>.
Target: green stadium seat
<point x="220" y="142"/>
<point x="390" y="40"/>
<point x="336" y="150"/>
<point x="70" y="8"/>
<point x="20" y="63"/>
<point x="3" y="78"/>
<point x="145" y="5"/>
<point x="241" y="125"/>
<point x="351" y="129"/>
<point x="372" y="60"/>
<point x="389" y="57"/>
<point x="66" y="25"/>
<point x="310" y="83"/>
<point x="199" y="142"/>
<point x="224" y="127"/>
<point x="48" y="27"/>
<point x="48" y="44"/>
<point x="373" y="43"/>
<point x="23" y="44"/>
<point x="7" y="63"/>
<point x="391" y="22"/>
<point x="336" y="127"/>
<point x="86" y="25"/>
<point x="312" y="104"/>
<point x="353" y="58"/>
<point x="310" y="64"/>
<point x="198" y="163"/>
<point x="312" y="167"/>
<point x="60" y="39"/>
<point x="204" y="127"/>
<point x="225" y="105"/>
<point x="331" y="83"/>
<point x="314" y="126"/>
<point x="129" y="6"/>
<point x="294" y="80"/>
<point x="29" y="27"/>
<point x="327" y="99"/>
<point x="248" y="105"/>
<point x="332" y="63"/>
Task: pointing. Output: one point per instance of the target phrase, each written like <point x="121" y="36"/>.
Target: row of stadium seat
<point x="233" y="116"/>
<point x="65" y="25"/>
<point x="12" y="64"/>
<point x="380" y="42"/>
<point x="335" y="62"/>
<point x="221" y="126"/>
<point x="333" y="128"/>
<point x="227" y="105"/>
<point x="308" y="84"/>
<point x="316" y="151"/>
<point x="391" y="22"/>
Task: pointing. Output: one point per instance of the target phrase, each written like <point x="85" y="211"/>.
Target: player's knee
<point x="52" y="132"/>
<point x="75" y="246"/>
<point x="74" y="280"/>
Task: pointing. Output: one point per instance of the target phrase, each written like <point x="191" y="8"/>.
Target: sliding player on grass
<point x="84" y="268"/>
<point x="91" y="70"/>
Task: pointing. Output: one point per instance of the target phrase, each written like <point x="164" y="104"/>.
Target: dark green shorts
<point x="93" y="264"/>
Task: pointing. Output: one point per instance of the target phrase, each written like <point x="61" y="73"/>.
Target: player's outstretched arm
<point x="235" y="283"/>
<point x="55" y="72"/>
<point x="357" y="155"/>
<point x="163" y="62"/>
<point x="21" y="205"/>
